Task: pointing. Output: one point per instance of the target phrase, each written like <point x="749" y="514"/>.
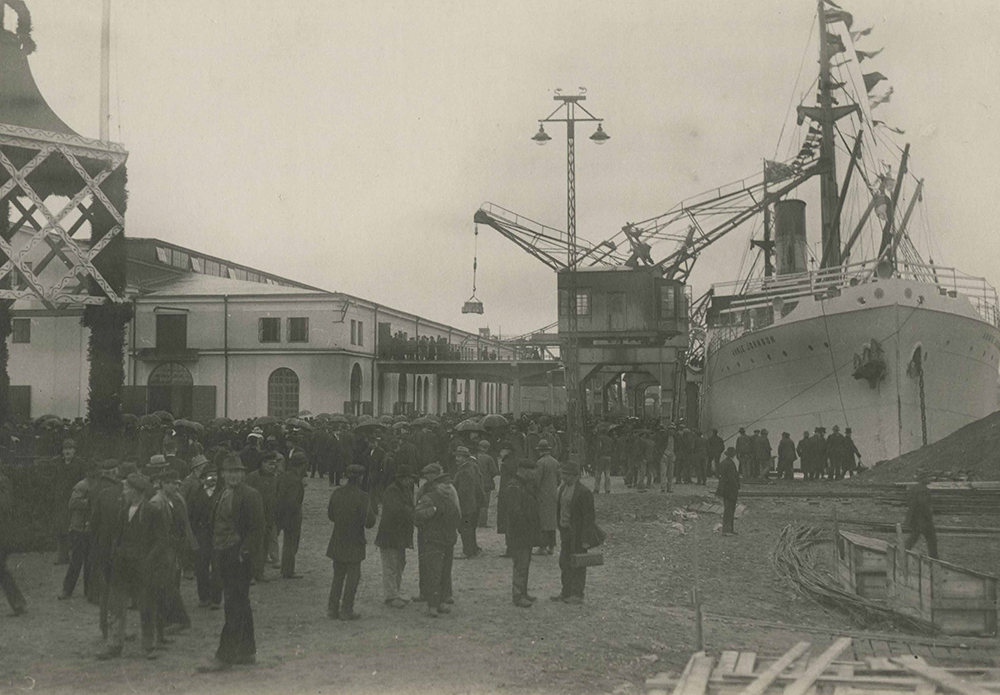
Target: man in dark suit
<point x="576" y="518"/>
<point x="729" y="487"/>
<point x="143" y="537"/>
<point x="523" y="526"/>
<point x="201" y="501"/>
<point x="351" y="513"/>
<point x="471" y="498"/>
<point x="10" y="589"/>
<point x="265" y="481"/>
<point x="288" y="513"/>
<point x="105" y="526"/>
<point x="237" y="523"/>
<point x="395" y="533"/>
<point x="71" y="469"/>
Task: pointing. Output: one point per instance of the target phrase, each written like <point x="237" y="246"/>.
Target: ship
<point x="870" y="336"/>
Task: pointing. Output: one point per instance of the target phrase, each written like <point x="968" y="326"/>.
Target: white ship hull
<point x="796" y="374"/>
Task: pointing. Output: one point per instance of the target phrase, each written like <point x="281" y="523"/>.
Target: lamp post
<point x="566" y="113"/>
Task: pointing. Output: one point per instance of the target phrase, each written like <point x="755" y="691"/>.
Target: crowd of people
<point x="179" y="498"/>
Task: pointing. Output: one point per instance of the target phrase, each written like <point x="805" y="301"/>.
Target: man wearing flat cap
<point x="351" y="512"/>
<point x="436" y="516"/>
<point x="471" y="498"/>
<point x="290" y="492"/>
<point x="237" y="523"/>
<point x="523" y="526"/>
<point x="142" y="536"/>
<point x="80" y="501"/>
<point x="395" y="533"/>
<point x="577" y="531"/>
<point x="548" y="485"/>
<point x="71" y="469"/>
<point x="728" y="488"/>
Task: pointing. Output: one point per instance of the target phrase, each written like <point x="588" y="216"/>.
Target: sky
<point x="348" y="144"/>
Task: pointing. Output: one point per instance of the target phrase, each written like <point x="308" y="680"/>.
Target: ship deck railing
<point x="753" y="303"/>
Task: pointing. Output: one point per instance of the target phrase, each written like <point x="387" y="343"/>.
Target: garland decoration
<point x="106" y="353"/>
<point x="23" y="31"/>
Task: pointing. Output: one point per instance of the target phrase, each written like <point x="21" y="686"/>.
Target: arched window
<point x="283" y="393"/>
<point x="170" y="374"/>
<point x="356" y="380"/>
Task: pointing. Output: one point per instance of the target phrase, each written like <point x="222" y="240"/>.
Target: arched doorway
<point x="171" y="388"/>
<point x="427" y="398"/>
<point x="357" y="379"/>
<point x="418" y="400"/>
<point x="283" y="393"/>
<point x="401" y="394"/>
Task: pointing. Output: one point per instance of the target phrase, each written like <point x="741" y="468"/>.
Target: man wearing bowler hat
<point x="237" y="525"/>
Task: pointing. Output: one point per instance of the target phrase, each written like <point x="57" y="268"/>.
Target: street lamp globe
<point x="541" y="137"/>
<point x="600" y="137"/>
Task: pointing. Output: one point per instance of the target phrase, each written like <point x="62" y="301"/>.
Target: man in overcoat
<point x="289" y="494"/>
<point x="70" y="470"/>
<point x="523" y="528"/>
<point x="201" y="502"/>
<point x="548" y="485"/>
<point x="577" y="531"/>
<point x="436" y="516"/>
<point x="80" y="501"/>
<point x="508" y="469"/>
<point x="237" y="523"/>
<point x="7" y="583"/>
<point x="471" y="497"/>
<point x="265" y="481"/>
<point x="488" y="470"/>
<point x="395" y="533"/>
<point x="920" y="515"/>
<point x="351" y="512"/>
<point x="105" y="527"/>
<point x="786" y="456"/>
<point x="728" y="488"/>
<point x="142" y="539"/>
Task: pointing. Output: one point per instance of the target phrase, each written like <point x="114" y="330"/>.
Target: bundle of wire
<point x="792" y="558"/>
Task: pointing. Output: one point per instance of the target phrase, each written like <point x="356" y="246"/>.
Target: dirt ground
<point x="636" y="620"/>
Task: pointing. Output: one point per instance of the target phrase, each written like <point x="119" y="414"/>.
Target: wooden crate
<point x="797" y="672"/>
<point x="861" y="564"/>
<point x="957" y="600"/>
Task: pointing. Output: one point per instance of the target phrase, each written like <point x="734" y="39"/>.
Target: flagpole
<point x="105" y="115"/>
<point x="768" y="267"/>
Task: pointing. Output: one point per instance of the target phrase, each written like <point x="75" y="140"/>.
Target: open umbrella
<point x="385" y="420"/>
<point x="304" y="413"/>
<point x="189" y="425"/>
<point x="43" y="418"/>
<point x="129" y="419"/>
<point x="400" y="425"/>
<point x="469" y="425"/>
<point x="266" y="420"/>
<point x="422" y="421"/>
<point x="164" y="415"/>
<point x="400" y="418"/>
<point x="298" y="424"/>
<point x="323" y="416"/>
<point x="368" y="422"/>
<point x="339" y="418"/>
<point x="494" y="422"/>
<point x="220" y="422"/>
<point x="150" y="420"/>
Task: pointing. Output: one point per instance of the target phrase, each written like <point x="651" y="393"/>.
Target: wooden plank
<point x="844" y="670"/>
<point x="726" y="663"/>
<point x="697" y="679"/>
<point x="766" y="678"/>
<point x="939" y="676"/>
<point x="745" y="663"/>
<point x="881" y="663"/>
<point x="803" y="683"/>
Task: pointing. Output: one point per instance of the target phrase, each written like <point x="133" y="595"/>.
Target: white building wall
<point x="54" y="364"/>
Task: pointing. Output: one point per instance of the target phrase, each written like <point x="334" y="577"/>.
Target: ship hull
<point x="797" y="374"/>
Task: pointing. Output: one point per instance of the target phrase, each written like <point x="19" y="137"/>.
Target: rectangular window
<point x="298" y="330"/>
<point x="668" y="301"/>
<point x="181" y="260"/>
<point x="240" y="274"/>
<point x="361" y="332"/>
<point x="583" y="302"/>
<point x="171" y="332"/>
<point x="198" y="265"/>
<point x="163" y="255"/>
<point x="212" y="268"/>
<point x="22" y="331"/>
<point x="564" y="302"/>
<point x="270" y="330"/>
<point x="354" y="332"/>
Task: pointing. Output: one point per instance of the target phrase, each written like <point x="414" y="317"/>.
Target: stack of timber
<point x="948" y="497"/>
<point x="797" y="672"/>
<point x="955" y="600"/>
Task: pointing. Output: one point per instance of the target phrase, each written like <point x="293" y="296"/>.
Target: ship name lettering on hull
<point x="751" y="344"/>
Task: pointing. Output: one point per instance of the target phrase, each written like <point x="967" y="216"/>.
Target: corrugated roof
<point x="195" y="284"/>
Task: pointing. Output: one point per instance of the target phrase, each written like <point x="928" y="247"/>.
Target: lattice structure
<point x="54" y="188"/>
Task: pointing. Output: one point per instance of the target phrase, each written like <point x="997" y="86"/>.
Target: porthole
<point x="908" y="293"/>
<point x="879" y="293"/>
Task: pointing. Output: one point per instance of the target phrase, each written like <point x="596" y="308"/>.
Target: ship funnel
<point x="790" y="236"/>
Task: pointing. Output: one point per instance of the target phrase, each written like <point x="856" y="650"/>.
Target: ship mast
<point x="829" y="195"/>
<point x="105" y="115"/>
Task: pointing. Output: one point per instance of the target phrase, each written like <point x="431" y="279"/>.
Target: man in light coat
<point x="548" y="486"/>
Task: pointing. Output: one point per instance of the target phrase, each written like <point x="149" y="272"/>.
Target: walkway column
<point x="514" y="394"/>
